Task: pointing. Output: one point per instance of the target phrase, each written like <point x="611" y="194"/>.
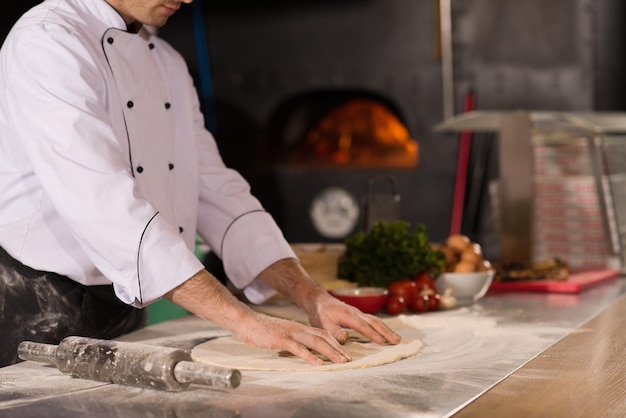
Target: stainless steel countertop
<point x="467" y="351"/>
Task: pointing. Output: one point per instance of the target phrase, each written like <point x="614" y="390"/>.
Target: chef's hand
<point x="334" y="316"/>
<point x="204" y="296"/>
<point x="301" y="340"/>
<point x="324" y="311"/>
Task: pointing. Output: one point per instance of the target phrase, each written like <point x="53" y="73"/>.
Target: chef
<point x="106" y="174"/>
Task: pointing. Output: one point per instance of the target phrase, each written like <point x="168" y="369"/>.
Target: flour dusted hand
<point x="324" y="311"/>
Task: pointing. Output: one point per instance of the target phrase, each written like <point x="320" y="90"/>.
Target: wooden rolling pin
<point x="132" y="364"/>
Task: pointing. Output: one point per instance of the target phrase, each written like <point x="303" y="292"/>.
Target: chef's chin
<point x="157" y="18"/>
<point x="157" y="22"/>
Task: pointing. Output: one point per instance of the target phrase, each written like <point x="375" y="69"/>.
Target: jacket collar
<point x="100" y="15"/>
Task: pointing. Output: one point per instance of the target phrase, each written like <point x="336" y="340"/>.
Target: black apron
<point x="46" y="307"/>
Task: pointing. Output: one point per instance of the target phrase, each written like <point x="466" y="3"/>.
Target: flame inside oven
<point x="357" y="133"/>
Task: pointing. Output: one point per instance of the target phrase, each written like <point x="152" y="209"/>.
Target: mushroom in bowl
<point x="467" y="288"/>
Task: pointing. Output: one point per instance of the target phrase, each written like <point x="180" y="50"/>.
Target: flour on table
<point x="231" y="352"/>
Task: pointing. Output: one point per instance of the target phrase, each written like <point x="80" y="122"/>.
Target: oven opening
<point x="340" y="129"/>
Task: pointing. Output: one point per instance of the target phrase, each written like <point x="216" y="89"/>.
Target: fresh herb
<point x="389" y="252"/>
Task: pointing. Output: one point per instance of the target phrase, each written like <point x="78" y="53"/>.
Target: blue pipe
<point x="202" y="52"/>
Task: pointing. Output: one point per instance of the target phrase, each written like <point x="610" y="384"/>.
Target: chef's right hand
<point x="284" y="335"/>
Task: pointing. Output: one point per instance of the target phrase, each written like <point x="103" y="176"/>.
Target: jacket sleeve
<point x="234" y="223"/>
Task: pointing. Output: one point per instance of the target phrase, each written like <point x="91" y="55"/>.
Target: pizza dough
<point x="231" y="352"/>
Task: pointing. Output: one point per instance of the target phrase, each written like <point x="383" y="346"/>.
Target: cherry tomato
<point x="405" y="288"/>
<point x="395" y="305"/>
<point x="420" y="304"/>
<point x="433" y="302"/>
<point x="424" y="281"/>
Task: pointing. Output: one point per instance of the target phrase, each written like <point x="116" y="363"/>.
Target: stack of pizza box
<point x="570" y="222"/>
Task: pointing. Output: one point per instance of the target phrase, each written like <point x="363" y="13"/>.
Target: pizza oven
<point x="347" y="129"/>
<point x="335" y="157"/>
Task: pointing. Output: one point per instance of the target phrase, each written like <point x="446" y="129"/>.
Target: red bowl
<point x="367" y="299"/>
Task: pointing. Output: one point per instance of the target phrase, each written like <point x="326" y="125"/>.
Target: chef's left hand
<point x="324" y="311"/>
<point x="334" y="316"/>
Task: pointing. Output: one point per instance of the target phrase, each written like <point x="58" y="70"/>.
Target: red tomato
<point x="395" y="305"/>
<point x="420" y="304"/>
<point x="405" y="288"/>
<point x="424" y="281"/>
<point x="433" y="302"/>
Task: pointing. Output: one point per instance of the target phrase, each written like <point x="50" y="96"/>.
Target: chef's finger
<point x="340" y="334"/>
<point x="305" y="354"/>
<point x="323" y="343"/>
<point x="337" y="331"/>
<point x="373" y="328"/>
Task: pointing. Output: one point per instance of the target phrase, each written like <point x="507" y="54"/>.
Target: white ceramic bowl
<point x="467" y="288"/>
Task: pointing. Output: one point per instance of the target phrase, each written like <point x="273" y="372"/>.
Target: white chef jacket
<point x="106" y="169"/>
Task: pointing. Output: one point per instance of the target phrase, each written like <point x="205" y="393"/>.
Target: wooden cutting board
<point x="575" y="283"/>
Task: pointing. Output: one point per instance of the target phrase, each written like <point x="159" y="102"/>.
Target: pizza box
<point x="575" y="283"/>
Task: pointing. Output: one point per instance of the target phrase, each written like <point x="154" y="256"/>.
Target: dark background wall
<point x="514" y="54"/>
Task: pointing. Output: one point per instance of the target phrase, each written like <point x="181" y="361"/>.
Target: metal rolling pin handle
<point x="204" y="374"/>
<point x="132" y="364"/>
